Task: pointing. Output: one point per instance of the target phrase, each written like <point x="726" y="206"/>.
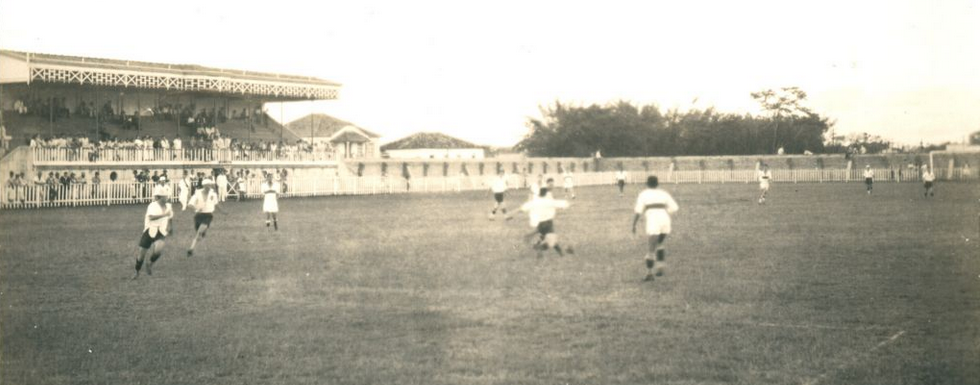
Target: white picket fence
<point x="116" y="193"/>
<point x="45" y="156"/>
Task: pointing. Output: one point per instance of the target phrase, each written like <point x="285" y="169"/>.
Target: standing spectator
<point x="96" y="185"/>
<point x="178" y="145"/>
<point x="184" y="190"/>
<point x="4" y="138"/>
<point x="52" y="183"/>
<point x="11" y="187"/>
<point x="222" y="182"/>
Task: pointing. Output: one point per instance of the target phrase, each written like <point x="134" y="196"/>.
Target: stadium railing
<point x="97" y="156"/>
<point x="116" y="193"/>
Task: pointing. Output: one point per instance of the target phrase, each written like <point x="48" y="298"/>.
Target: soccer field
<point x="822" y="285"/>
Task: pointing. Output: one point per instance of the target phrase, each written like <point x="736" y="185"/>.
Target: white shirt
<point x="567" y="179"/>
<point x="177" y="144"/>
<point x="869" y="173"/>
<point x="765" y="176"/>
<point x="621" y="175"/>
<point x="221" y="180"/>
<point x="204" y="204"/>
<point x="159" y="224"/>
<point x="266" y="187"/>
<point x="535" y="190"/>
<point x="499" y="185"/>
<point x="543" y="209"/>
<point x="928" y="176"/>
<point x="655" y="203"/>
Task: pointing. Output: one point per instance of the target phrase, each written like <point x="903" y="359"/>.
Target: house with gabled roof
<point x="432" y="145"/>
<point x="347" y="139"/>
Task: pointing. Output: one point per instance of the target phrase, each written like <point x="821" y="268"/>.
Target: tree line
<point x="623" y="129"/>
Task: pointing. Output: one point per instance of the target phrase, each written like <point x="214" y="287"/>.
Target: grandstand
<point x="92" y="99"/>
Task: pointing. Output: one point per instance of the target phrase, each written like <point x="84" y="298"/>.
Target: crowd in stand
<point x="57" y="108"/>
<point x="65" y="185"/>
<point x="80" y="147"/>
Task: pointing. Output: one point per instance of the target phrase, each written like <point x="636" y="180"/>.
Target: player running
<point x="499" y="187"/>
<point x="655" y="205"/>
<point x="270" y="206"/>
<point x="869" y="177"/>
<point x="156" y="223"/>
<point x="621" y="181"/>
<point x="541" y="212"/>
<point x="204" y="202"/>
<point x="764" y="175"/>
<point x="928" y="178"/>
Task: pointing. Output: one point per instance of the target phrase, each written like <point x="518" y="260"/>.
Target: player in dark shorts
<point x="204" y="202"/>
<point x="869" y="178"/>
<point x="499" y="187"/>
<point x="155" y="226"/>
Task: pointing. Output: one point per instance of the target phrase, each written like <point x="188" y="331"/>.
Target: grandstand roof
<point x="324" y="126"/>
<point x="26" y="67"/>
<point x="428" y="140"/>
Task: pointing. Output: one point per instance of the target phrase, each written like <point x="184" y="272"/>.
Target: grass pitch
<point x="822" y="285"/>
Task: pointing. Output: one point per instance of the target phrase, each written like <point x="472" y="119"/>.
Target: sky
<point x="903" y="70"/>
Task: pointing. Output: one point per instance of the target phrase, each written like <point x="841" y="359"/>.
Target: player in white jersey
<point x="869" y="177"/>
<point x="498" y="187"/>
<point x="541" y="212"/>
<point x="156" y="223"/>
<point x="204" y="202"/>
<point x="928" y="178"/>
<point x="655" y="205"/>
<point x="569" y="184"/>
<point x="765" y="176"/>
<point x="270" y="206"/>
<point x="621" y="181"/>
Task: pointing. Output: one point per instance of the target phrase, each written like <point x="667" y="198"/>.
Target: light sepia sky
<point x="905" y="70"/>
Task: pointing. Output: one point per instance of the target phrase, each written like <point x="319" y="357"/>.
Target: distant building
<point x="432" y="145"/>
<point x="348" y="140"/>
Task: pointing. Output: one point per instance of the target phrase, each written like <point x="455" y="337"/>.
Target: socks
<point x="139" y="264"/>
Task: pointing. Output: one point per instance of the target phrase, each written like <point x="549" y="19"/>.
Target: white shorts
<point x="764" y="186"/>
<point x="271" y="204"/>
<point x="658" y="224"/>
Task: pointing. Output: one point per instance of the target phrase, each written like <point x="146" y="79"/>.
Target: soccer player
<point x="568" y="184"/>
<point x="270" y="206"/>
<point x="621" y="181"/>
<point x="928" y="178"/>
<point x="765" y="175"/>
<point x="204" y="202"/>
<point x="869" y="177"/>
<point x="499" y="187"/>
<point x="155" y="225"/>
<point x="655" y="205"/>
<point x="541" y="212"/>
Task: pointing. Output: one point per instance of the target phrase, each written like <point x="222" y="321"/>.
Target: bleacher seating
<point x="22" y="127"/>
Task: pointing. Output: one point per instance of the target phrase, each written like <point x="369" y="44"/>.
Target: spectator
<point x="11" y="186"/>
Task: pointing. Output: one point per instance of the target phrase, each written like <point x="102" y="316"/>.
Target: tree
<point x="622" y="129"/>
<point x="785" y="102"/>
